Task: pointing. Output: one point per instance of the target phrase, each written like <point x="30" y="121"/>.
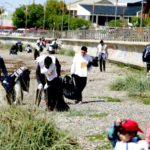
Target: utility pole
<point x="44" y="16"/>
<point x="62" y="18"/>
<point x="116" y="12"/>
<point x="93" y="11"/>
<point x="69" y="16"/>
<point x="141" y="22"/>
<point x="26" y="23"/>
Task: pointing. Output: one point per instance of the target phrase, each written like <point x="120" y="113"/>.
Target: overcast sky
<point x="10" y="5"/>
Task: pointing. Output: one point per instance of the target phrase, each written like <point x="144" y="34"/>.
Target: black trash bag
<point x="69" y="89"/>
<point x="95" y="62"/>
<point x="8" y="83"/>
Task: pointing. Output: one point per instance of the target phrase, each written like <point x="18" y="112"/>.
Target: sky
<point x="10" y="5"/>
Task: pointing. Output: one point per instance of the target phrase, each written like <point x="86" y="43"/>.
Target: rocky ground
<point x="96" y="113"/>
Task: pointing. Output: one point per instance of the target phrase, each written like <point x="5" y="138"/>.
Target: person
<point x="54" y="45"/>
<point x="79" y="70"/>
<point x="102" y="54"/>
<point x="28" y="48"/>
<point x="47" y="75"/>
<point x="148" y="136"/>
<point x="3" y="75"/>
<point x="19" y="45"/>
<point x="3" y="68"/>
<point x="146" y="59"/>
<point x="123" y="135"/>
<point x="39" y="44"/>
<point x="13" y="49"/>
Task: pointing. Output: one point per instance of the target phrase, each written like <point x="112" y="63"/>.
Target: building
<point x="101" y="12"/>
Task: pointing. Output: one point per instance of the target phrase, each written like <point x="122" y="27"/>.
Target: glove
<point x="45" y="86"/>
<point x="40" y="86"/>
<point x="5" y="82"/>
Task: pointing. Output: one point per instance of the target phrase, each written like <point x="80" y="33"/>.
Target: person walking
<point x="102" y="54"/>
<point x="146" y="59"/>
<point x="79" y="70"/>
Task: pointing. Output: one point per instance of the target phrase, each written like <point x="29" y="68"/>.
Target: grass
<point x="67" y="52"/>
<point x="87" y="113"/>
<point x="5" y="45"/>
<point x="108" y="99"/>
<point x="102" y="138"/>
<point x="24" y="129"/>
<point x="146" y="101"/>
<point x="135" y="83"/>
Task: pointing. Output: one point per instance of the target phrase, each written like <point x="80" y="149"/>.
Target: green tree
<point x="55" y="13"/>
<point x="118" y="23"/>
<point x="1" y="10"/>
<point x="33" y="14"/>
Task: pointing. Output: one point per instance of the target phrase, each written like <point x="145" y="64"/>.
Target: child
<point x="123" y="136"/>
<point x="148" y="136"/>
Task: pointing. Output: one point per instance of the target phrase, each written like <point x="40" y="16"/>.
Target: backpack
<point x="146" y="54"/>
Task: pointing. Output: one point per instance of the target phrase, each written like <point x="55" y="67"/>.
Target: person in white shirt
<point x="47" y="75"/>
<point x="79" y="70"/>
<point x="102" y="54"/>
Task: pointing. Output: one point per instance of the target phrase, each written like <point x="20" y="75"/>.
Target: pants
<point x="102" y="62"/>
<point x="80" y="83"/>
<point x="55" y="95"/>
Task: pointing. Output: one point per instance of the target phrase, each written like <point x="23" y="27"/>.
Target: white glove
<point x="40" y="86"/>
<point x="45" y="86"/>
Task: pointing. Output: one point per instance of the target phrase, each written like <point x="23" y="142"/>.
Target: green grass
<point x="108" y="99"/>
<point x="102" y="138"/>
<point x="87" y="113"/>
<point x="111" y="99"/>
<point x="24" y="129"/>
<point x="146" y="101"/>
<point x="5" y="45"/>
<point x="135" y="83"/>
<point x="67" y="52"/>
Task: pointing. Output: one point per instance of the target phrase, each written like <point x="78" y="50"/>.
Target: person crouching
<point x="48" y="79"/>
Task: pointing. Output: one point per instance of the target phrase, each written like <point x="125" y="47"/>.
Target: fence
<point x="114" y="34"/>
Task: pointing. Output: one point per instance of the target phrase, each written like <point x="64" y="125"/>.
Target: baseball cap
<point x="130" y="126"/>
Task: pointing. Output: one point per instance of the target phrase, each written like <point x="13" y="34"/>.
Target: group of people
<point x="48" y="74"/>
<point x="18" y="47"/>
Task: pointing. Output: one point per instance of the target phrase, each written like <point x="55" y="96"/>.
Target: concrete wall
<point x="119" y="51"/>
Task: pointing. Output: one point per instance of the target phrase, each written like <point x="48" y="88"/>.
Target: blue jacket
<point x="114" y="138"/>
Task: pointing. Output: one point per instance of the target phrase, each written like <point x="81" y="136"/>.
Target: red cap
<point x="130" y="126"/>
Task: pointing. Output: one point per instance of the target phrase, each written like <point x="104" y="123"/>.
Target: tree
<point x="31" y="13"/>
<point x="55" y="14"/>
<point x="1" y="10"/>
<point x="118" y="23"/>
<point x="56" y="17"/>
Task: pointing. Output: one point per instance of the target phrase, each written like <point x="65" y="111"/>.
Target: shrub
<point x="23" y="129"/>
<point x="135" y="83"/>
<point x="67" y="52"/>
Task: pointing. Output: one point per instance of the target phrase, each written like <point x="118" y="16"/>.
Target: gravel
<point x="85" y="122"/>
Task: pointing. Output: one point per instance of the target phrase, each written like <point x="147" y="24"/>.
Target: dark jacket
<point x="3" y="67"/>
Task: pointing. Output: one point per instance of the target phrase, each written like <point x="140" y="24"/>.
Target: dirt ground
<point x="94" y="103"/>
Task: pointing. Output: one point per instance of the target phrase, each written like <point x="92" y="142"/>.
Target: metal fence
<point x="112" y="34"/>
